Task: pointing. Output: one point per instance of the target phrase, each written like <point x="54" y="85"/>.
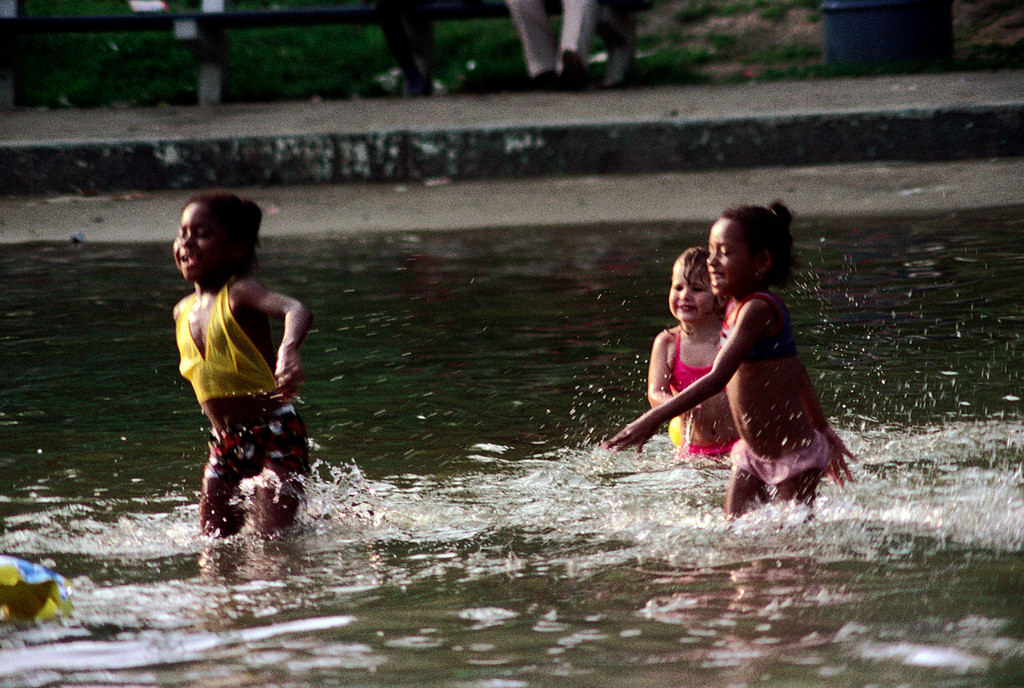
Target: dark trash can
<point x="872" y="31"/>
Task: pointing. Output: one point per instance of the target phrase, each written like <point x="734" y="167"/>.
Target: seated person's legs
<point x="578" y="25"/>
<point x="539" y="41"/>
<point x="403" y="43"/>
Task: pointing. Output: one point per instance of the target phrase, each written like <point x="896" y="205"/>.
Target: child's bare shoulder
<point x="243" y="290"/>
<point x="758" y="308"/>
<point x="666" y="337"/>
<point x="182" y="304"/>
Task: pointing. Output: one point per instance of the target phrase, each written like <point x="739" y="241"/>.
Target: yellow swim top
<point x="231" y="365"/>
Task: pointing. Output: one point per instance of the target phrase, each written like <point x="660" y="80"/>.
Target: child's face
<point x="201" y="248"/>
<point x="690" y="300"/>
<point x="735" y="272"/>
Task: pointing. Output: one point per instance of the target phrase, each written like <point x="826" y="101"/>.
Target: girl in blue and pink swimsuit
<point x="786" y="445"/>
<point x="683" y="354"/>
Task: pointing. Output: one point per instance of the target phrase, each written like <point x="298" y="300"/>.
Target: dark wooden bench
<point x="205" y="32"/>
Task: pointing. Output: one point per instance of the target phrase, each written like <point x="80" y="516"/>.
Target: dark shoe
<point x="545" y="81"/>
<point x="416" y="84"/>
<point x="574" y="72"/>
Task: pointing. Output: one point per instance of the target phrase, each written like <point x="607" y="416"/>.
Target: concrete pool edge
<point x="923" y="117"/>
<point x="347" y="210"/>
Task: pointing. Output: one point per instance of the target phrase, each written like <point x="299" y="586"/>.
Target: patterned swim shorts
<point x="244" y="451"/>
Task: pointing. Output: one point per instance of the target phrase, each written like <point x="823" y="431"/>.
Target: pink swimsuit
<point x="682" y="377"/>
<point x="774" y="470"/>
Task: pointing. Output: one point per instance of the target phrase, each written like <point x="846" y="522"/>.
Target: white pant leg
<point x="539" y="41"/>
<point x="579" y="20"/>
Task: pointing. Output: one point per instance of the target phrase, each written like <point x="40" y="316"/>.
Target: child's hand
<point x="289" y="373"/>
<point x="636" y="433"/>
<point x="838" y="471"/>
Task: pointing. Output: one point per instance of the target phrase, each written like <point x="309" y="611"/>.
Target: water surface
<point x="465" y="529"/>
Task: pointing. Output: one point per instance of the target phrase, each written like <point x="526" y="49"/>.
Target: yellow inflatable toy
<point x="675" y="431"/>
<point x="31" y="591"/>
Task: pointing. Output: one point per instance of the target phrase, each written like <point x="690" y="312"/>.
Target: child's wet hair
<point x="767" y="228"/>
<point x="694" y="264"/>
<point x="240" y="218"/>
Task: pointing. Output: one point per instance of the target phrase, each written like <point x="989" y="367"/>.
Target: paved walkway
<point x="863" y="189"/>
<point x="887" y="145"/>
<point x="913" y="93"/>
<point x="629" y="131"/>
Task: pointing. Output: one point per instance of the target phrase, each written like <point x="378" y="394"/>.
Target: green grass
<point x="88" y="70"/>
<point x="85" y="70"/>
<point x="695" y="11"/>
<point x="775" y="54"/>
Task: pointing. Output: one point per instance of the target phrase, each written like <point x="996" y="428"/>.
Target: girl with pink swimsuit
<point x="683" y="354"/>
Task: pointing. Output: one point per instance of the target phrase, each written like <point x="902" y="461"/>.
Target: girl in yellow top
<point x="242" y="384"/>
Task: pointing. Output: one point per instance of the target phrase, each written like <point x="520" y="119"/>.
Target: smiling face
<point x="201" y="248"/>
<point x="690" y="299"/>
<point x="735" y="271"/>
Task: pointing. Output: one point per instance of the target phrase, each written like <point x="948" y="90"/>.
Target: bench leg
<point x="210" y="46"/>
<point x="411" y="41"/>
<point x="618" y="30"/>
<point x="213" y="81"/>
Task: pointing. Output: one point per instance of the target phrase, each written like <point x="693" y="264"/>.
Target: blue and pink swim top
<point x="779" y="344"/>
<point x="231" y="364"/>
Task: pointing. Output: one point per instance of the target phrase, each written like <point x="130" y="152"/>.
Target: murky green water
<point x="465" y="530"/>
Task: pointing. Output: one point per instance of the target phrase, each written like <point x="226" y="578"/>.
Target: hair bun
<point x="250" y="212"/>
<point x="779" y="210"/>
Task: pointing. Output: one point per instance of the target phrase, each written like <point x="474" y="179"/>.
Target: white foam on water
<point x="573" y="512"/>
<point x="149" y="649"/>
<point x="930" y="656"/>
<point x="956" y="485"/>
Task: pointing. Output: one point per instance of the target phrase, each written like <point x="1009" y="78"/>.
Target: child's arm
<point x="297" y="319"/>
<point x="838" y="471"/>
<point x="659" y="374"/>
<point x="753" y="319"/>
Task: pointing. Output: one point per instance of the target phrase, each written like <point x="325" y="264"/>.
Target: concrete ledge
<point x="628" y="201"/>
<point x="495" y="152"/>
